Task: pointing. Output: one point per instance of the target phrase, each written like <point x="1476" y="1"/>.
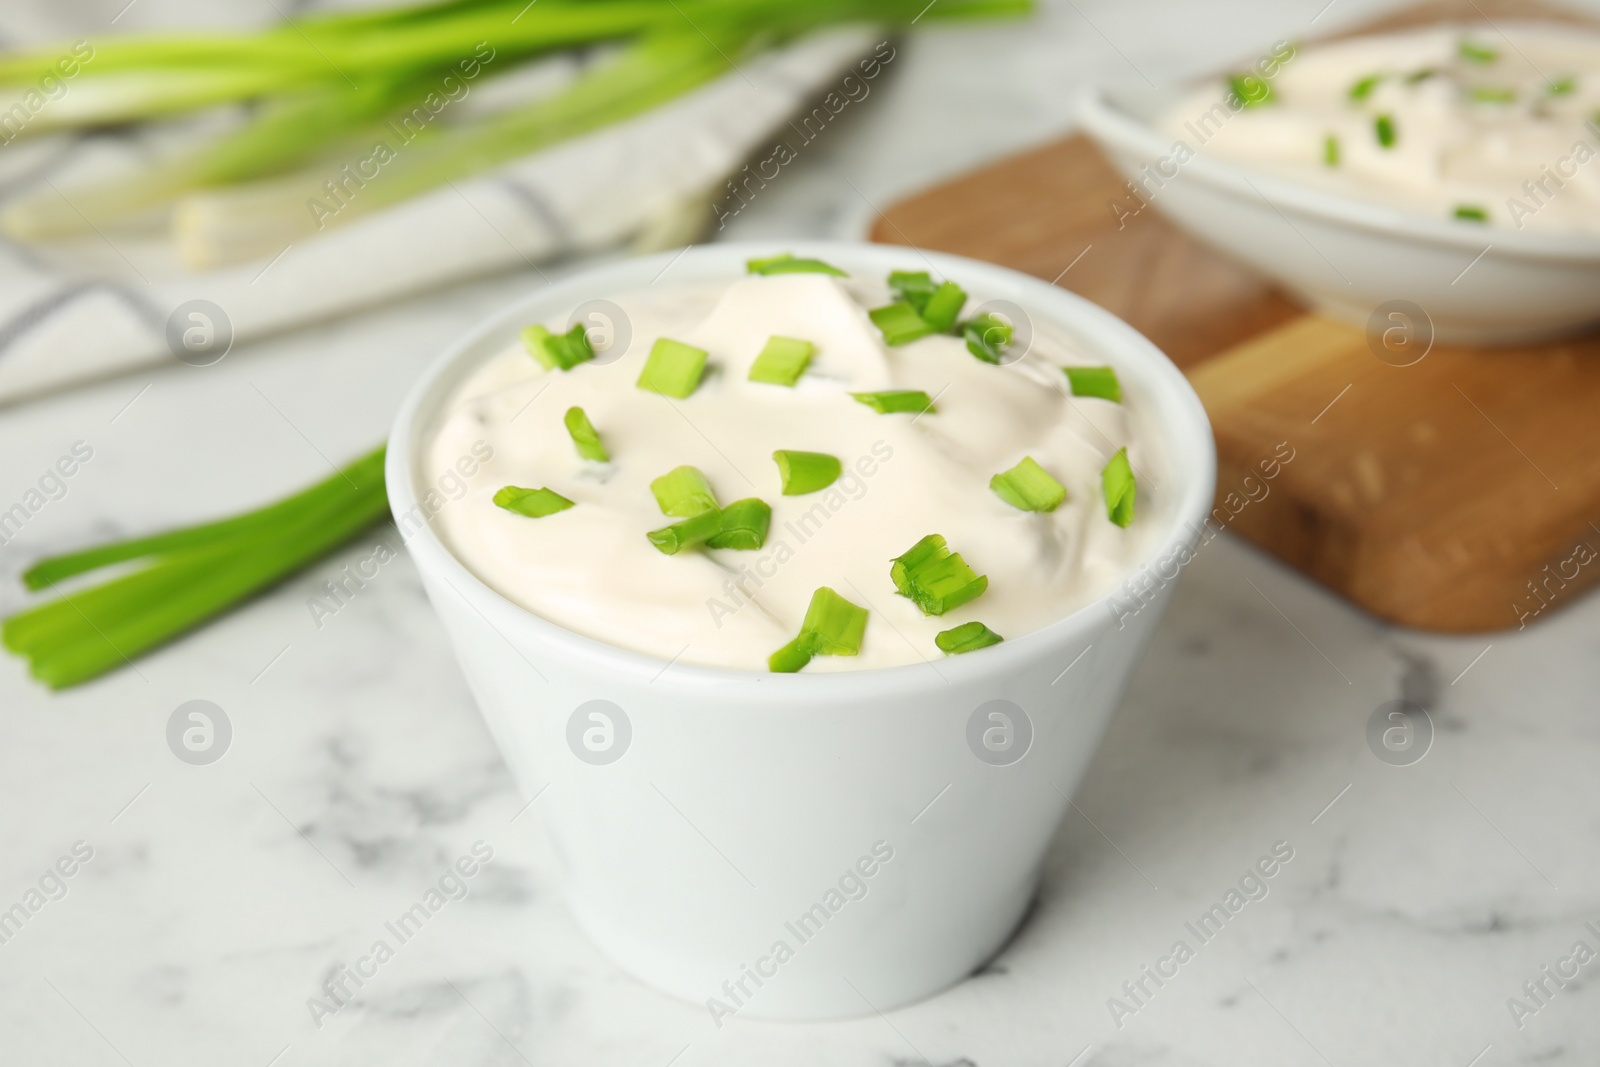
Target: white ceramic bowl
<point x="1348" y="257"/>
<point x="735" y="803"/>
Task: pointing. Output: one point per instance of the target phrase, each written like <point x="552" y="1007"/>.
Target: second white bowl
<point x="1348" y="257"/>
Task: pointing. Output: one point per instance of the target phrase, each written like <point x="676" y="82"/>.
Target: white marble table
<point x="220" y="898"/>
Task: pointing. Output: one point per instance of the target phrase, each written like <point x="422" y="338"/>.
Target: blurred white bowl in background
<point x="1348" y="257"/>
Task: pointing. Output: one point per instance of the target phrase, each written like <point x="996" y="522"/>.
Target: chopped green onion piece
<point x="912" y="286"/>
<point x="1029" y="487"/>
<point x="806" y="472"/>
<point x="944" y="307"/>
<point x="585" y="436"/>
<point x="968" y="637"/>
<point x="1492" y="94"/>
<point x="1330" y="150"/>
<point x="673" y="368"/>
<point x="782" y="361"/>
<point x="1116" y="481"/>
<point x="684" y="492"/>
<point x="927" y="550"/>
<point x="900" y="323"/>
<point x="895" y="401"/>
<point x="1363" y="88"/>
<point x="555" y="351"/>
<point x="1421" y="75"/>
<point x="1251" y="90"/>
<point x="534" y="503"/>
<point x="832" y="627"/>
<point x="1471" y="213"/>
<point x="934" y="578"/>
<point x="787" y="264"/>
<point x="792" y="657"/>
<point x="1094" y="381"/>
<point x="744" y="526"/>
<point x="1562" y="86"/>
<point x="687" y="533"/>
<point x="1478" y="53"/>
<point x="987" y="337"/>
<point x="1383" y="126"/>
<point x="836" y="626"/>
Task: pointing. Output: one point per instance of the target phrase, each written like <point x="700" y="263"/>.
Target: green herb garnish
<point x="1330" y="150"/>
<point x="832" y="627"/>
<point x="1029" y="487"/>
<point x="944" y="306"/>
<point x="673" y="368"/>
<point x="934" y="578"/>
<point x="787" y="264"/>
<point x="896" y="401"/>
<point x="534" y="503"/>
<point x="1492" y="94"/>
<point x="1565" y="85"/>
<point x="1116" y="482"/>
<point x="968" y="637"/>
<point x="1094" y="381"/>
<point x="987" y="336"/>
<point x="1363" y="88"/>
<point x="920" y="307"/>
<point x="744" y="526"/>
<point x="1477" y="53"/>
<point x="899" y="323"/>
<point x="558" y="351"/>
<point x="687" y="533"/>
<point x="1252" y="91"/>
<point x="683" y="492"/>
<point x="913" y="287"/>
<point x="584" y="436"/>
<point x="792" y="657"/>
<point x="1383" y="127"/>
<point x="1471" y="213"/>
<point x="806" y="472"/>
<point x="782" y="361"/>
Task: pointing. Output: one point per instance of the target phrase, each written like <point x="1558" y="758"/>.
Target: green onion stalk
<point x="183" y="577"/>
<point x="321" y="90"/>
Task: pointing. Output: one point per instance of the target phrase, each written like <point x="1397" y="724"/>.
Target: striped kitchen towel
<point x="76" y="310"/>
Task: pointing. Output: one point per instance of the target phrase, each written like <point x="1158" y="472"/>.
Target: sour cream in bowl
<point x="975" y="545"/>
<point x="1446" y="167"/>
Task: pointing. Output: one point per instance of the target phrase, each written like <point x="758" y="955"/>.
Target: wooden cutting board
<point x="1459" y="493"/>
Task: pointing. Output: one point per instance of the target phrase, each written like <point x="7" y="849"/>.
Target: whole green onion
<point x="328" y="86"/>
<point x="186" y="576"/>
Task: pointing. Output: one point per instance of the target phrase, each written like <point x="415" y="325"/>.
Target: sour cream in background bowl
<point x="823" y="844"/>
<point x="1451" y="167"/>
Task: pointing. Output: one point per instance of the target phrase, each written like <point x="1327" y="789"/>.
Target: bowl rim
<point x="1105" y="117"/>
<point x="1182" y="418"/>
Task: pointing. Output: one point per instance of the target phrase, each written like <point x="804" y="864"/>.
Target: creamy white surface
<point x="592" y="569"/>
<point x="1450" y="150"/>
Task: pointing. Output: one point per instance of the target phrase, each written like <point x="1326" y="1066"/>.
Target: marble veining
<point x="221" y="900"/>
